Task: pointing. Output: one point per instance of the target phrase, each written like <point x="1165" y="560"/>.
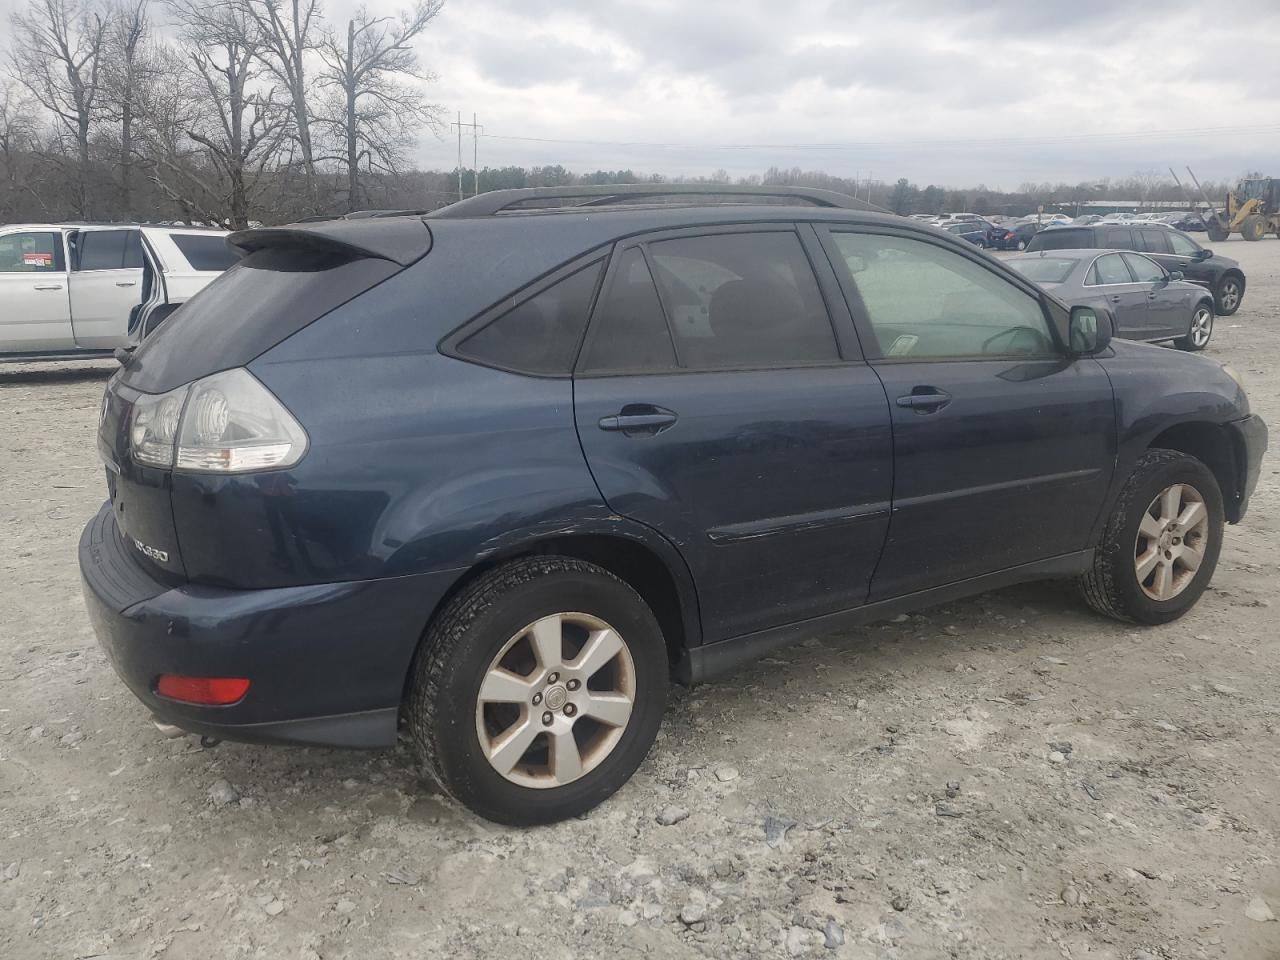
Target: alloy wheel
<point x="1230" y="296"/>
<point x="1201" y="326"/>
<point x="555" y="700"/>
<point x="1171" y="543"/>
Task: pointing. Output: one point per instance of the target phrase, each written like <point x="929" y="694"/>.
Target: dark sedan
<point x="1147" y="301"/>
<point x="1169" y="248"/>
<point x="1016" y="237"/>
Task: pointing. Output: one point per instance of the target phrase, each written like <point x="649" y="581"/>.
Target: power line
<point x="945" y="142"/>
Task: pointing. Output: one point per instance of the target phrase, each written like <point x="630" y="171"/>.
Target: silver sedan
<point x="1147" y="301"/>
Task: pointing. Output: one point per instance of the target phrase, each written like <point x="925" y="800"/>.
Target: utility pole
<point x="475" y="129"/>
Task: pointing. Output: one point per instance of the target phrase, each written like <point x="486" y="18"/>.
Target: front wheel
<point x="538" y="690"/>
<point x="1022" y="244"/>
<point x="1228" y="295"/>
<point x="1160" y="545"/>
<point x="1201" y="329"/>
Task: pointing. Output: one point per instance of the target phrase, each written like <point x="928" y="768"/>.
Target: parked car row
<point x="79" y="291"/>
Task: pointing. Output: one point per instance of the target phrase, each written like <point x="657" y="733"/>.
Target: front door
<point x="1003" y="445"/>
<point x="1110" y="279"/>
<point x="106" y="284"/>
<point x="35" y="315"/>
<point x="721" y="406"/>
<point x="1168" y="307"/>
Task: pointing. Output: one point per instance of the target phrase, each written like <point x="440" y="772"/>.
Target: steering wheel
<point x="1035" y="337"/>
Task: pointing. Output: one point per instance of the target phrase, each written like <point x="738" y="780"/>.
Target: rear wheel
<point x="1160" y="546"/>
<point x="1228" y="295"/>
<point x="1254" y="227"/>
<point x="1022" y="244"/>
<point x="1201" y="329"/>
<point x="538" y="690"/>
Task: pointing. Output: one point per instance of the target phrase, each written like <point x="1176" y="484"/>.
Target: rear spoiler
<point x="401" y="240"/>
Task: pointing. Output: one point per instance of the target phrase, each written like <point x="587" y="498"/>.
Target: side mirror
<point x="1204" y="254"/>
<point x="1175" y="275"/>
<point x="1091" y="330"/>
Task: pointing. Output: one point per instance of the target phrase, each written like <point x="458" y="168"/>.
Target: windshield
<point x="1045" y="269"/>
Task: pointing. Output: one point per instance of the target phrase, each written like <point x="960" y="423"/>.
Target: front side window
<point x="1182" y="246"/>
<point x="923" y="301"/>
<point x="541" y="335"/>
<point x="1144" y="270"/>
<point x="1108" y="270"/>
<point x="31" y="252"/>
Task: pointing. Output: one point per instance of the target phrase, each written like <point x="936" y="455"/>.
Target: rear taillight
<point x="207" y="691"/>
<point x="224" y="423"/>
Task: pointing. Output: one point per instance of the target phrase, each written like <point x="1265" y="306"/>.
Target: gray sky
<point x="947" y="91"/>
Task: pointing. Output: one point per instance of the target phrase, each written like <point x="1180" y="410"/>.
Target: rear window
<point x="1045" y="269"/>
<point x="1064" y="238"/>
<point x="205" y="252"/>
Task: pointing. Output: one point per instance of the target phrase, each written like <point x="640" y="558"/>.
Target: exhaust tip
<point x="168" y="730"/>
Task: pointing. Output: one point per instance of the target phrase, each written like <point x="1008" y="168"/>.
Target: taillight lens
<point x="207" y="691"/>
<point x="224" y="423"/>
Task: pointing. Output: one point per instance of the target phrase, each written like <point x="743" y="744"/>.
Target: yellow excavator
<point x="1253" y="211"/>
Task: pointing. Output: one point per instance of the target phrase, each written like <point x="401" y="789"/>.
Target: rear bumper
<point x="1250" y="435"/>
<point x="327" y="662"/>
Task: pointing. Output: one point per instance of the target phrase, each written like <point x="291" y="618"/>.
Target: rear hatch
<point x="288" y="278"/>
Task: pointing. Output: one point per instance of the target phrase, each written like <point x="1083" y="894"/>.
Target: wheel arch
<point x="1213" y="445"/>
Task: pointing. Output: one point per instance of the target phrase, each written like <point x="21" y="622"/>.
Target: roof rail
<point x="511" y="201"/>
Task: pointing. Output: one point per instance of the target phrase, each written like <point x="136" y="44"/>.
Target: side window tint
<point x="1144" y="270"/>
<point x="1154" y="240"/>
<point x="133" y="250"/>
<point x="1111" y="269"/>
<point x="101" y="249"/>
<point x="1182" y="246"/>
<point x="630" y="331"/>
<point x="1121" y="239"/>
<point x="31" y="253"/>
<point x="743" y="300"/>
<point x="924" y="301"/>
<point x="542" y="334"/>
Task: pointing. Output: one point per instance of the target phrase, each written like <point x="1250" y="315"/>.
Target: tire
<point x="1253" y="227"/>
<point x="1228" y="295"/>
<point x="1022" y="244"/>
<point x="1201" y="331"/>
<point x="465" y="644"/>
<point x="1216" y="229"/>
<point x="1112" y="587"/>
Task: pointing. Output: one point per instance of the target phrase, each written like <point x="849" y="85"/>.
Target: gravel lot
<point x="903" y="791"/>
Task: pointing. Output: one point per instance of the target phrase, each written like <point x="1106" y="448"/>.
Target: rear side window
<point x="103" y="249"/>
<point x="1120" y="238"/>
<point x="743" y="300"/>
<point x="1107" y="270"/>
<point x="542" y="334"/>
<point x="1153" y="240"/>
<point x="205" y="252"/>
<point x="1060" y="240"/>
<point x="630" y="333"/>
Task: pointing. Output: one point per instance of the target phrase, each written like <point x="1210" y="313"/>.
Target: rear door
<point x="720" y="398"/>
<point x="1110" y="278"/>
<point x="106" y="284"/>
<point x="35" y="315"/>
<point x="1003" y="444"/>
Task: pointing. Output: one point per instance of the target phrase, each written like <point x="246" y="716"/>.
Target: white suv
<point x="72" y="291"/>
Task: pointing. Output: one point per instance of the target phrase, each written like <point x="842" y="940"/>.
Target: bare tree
<point x="17" y="146"/>
<point x="128" y="66"/>
<point x="375" y="75"/>
<point x="57" y="55"/>
<point x="285" y="32"/>
<point x="214" y="142"/>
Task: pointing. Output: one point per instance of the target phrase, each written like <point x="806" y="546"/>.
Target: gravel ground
<point x="1005" y="777"/>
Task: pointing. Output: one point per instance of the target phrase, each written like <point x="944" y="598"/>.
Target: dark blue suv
<point x="496" y="473"/>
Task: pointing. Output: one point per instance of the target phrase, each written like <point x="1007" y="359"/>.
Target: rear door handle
<point x="1115" y="298"/>
<point x="126" y="283"/>
<point x="925" y="400"/>
<point x="639" y="419"/>
<point x="48" y="286"/>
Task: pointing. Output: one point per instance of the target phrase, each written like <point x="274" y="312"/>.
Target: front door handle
<point x="126" y="283"/>
<point x="639" y="419"/>
<point x="1114" y="298"/>
<point x="925" y="400"/>
<point x="48" y="286"/>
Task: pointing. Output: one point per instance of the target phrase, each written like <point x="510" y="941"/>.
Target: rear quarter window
<point x="205" y="252"/>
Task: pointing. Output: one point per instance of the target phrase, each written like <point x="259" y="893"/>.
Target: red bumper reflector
<point x="210" y="691"/>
